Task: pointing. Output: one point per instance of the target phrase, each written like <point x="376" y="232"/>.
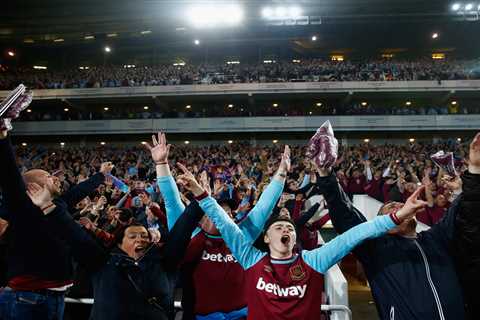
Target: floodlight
<point x="295" y="12"/>
<point x="204" y="16"/>
<point x="267" y="13"/>
<point x="435" y="35"/>
<point x="280" y="12"/>
<point x="469" y="6"/>
<point x="314" y="38"/>
<point x="456" y="6"/>
<point x="108" y="49"/>
<point x="197" y="42"/>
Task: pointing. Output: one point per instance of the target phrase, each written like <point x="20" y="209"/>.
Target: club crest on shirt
<point x="296" y="273"/>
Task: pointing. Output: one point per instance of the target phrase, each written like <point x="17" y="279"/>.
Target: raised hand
<point x="412" y="205"/>
<point x="187" y="179"/>
<point x="87" y="223"/>
<point x="106" y="168"/>
<point x="474" y="155"/>
<point x="205" y="183"/>
<point x="40" y="196"/>
<point x="285" y="163"/>
<point x="160" y="149"/>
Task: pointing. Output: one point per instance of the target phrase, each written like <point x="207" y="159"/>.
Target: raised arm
<point x="59" y="222"/>
<point x="11" y="181"/>
<point x="168" y="188"/>
<point x="235" y="239"/>
<point x="181" y="233"/>
<point x="85" y="188"/>
<point x="321" y="259"/>
<point x="343" y="214"/>
<point x="253" y="225"/>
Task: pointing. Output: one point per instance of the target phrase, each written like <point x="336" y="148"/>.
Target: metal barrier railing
<point x="178" y="306"/>
<point x="338" y="308"/>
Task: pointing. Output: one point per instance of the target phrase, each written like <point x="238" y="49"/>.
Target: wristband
<point x="202" y="196"/>
<point x="394" y="218"/>
<point x="160" y="163"/>
<point x="49" y="206"/>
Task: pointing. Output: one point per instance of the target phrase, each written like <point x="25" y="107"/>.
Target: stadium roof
<point x="341" y="26"/>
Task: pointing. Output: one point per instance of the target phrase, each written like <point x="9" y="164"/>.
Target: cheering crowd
<point x="241" y="222"/>
<point x="276" y="71"/>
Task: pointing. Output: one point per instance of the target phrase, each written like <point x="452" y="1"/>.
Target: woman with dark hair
<point x="135" y="279"/>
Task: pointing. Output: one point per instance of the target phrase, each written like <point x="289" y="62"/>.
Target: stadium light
<point x="11" y="53"/>
<point x="456" y="6"/>
<point x="267" y="13"/>
<point x="314" y="38"/>
<point x="107" y="49"/>
<point x="208" y="16"/>
<point x="196" y="42"/>
<point x="282" y="13"/>
<point x="469" y="6"/>
<point x="435" y="35"/>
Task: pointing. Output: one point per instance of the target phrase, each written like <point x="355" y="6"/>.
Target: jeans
<point x="23" y="305"/>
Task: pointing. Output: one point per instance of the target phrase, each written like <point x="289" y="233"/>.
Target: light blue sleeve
<point x="173" y="204"/>
<point x="306" y="180"/>
<point x="321" y="259"/>
<point x="253" y="225"/>
<point x="241" y="248"/>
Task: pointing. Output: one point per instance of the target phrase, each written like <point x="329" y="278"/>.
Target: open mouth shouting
<point x="285" y="240"/>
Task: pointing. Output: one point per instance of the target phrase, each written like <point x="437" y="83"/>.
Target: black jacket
<point x="32" y="250"/>
<point x="467" y="244"/>
<point x="121" y="285"/>
<point x="411" y="279"/>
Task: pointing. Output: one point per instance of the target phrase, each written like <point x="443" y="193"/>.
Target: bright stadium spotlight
<point x="295" y="12"/>
<point x="108" y="49"/>
<point x="267" y="13"/>
<point x="469" y="6"/>
<point x="207" y="16"/>
<point x="196" y="42"/>
<point x="314" y="38"/>
<point x="281" y="12"/>
<point x="456" y="6"/>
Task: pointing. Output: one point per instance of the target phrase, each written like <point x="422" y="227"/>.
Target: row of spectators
<point x="386" y="172"/>
<point x="222" y="111"/>
<point x="277" y="71"/>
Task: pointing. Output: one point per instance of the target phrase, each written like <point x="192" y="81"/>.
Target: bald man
<point x="39" y="266"/>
